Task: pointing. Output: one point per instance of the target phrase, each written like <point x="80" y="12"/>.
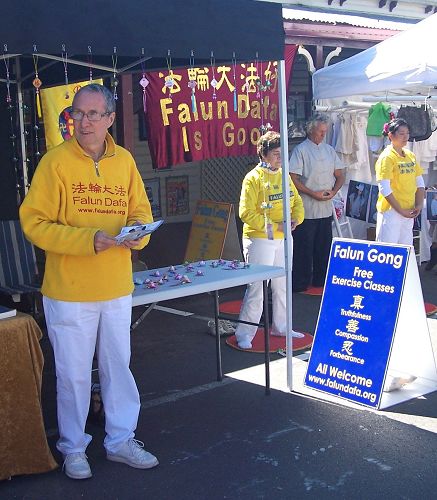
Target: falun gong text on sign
<point x="357" y="320"/>
<point x="209" y="111"/>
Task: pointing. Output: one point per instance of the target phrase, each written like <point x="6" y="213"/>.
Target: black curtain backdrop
<point x="8" y="192"/>
<point x="224" y="26"/>
<point x="137" y="28"/>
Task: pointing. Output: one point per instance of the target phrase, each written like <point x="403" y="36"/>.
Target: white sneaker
<point x="395" y="383"/>
<point x="274" y="333"/>
<point x="76" y="466"/>
<point x="245" y="344"/>
<point x="225" y="327"/>
<point x="132" y="453"/>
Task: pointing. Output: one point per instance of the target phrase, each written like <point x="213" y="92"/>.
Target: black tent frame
<point x="143" y="33"/>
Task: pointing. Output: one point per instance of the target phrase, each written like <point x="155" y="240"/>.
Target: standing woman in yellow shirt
<point x="401" y="187"/>
<point x="261" y="210"/>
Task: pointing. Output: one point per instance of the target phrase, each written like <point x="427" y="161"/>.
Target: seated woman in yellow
<point x="261" y="211"/>
<point x="401" y="187"/>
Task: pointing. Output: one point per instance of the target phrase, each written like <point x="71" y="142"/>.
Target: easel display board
<point x="372" y="324"/>
<point x="213" y="233"/>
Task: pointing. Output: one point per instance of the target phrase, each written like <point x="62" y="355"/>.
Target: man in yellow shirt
<point x="82" y="193"/>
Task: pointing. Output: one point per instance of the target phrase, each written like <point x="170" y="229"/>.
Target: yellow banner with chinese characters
<point x="56" y="107"/>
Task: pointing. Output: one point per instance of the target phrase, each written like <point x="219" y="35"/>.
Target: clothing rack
<point x="399" y="98"/>
<point x="344" y="106"/>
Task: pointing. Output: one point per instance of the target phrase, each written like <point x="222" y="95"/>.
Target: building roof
<point x="299" y="14"/>
<point x="390" y="10"/>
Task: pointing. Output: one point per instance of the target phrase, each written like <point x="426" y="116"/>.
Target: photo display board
<point x="357" y="320"/>
<point x="357" y="202"/>
<point x="431" y="205"/>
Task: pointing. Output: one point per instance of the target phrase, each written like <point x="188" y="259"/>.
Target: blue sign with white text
<point x="357" y="320"/>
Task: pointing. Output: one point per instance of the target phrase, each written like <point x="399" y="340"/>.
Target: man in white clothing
<point x="317" y="173"/>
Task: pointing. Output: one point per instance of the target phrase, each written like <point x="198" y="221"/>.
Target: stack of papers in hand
<point x="5" y="312"/>
<point x="135" y="232"/>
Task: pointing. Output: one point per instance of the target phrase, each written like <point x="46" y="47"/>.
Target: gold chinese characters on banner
<point x="56" y="107"/>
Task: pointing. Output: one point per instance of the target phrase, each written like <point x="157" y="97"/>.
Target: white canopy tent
<point x="400" y="69"/>
<point x="403" y="64"/>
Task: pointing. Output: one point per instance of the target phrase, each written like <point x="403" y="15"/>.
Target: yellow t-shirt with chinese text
<point x="402" y="172"/>
<point x="261" y="202"/>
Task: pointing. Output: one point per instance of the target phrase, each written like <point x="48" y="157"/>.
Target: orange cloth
<point x="23" y="443"/>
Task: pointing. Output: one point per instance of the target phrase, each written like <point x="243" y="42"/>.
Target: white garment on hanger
<point x="376" y="144"/>
<point x="336" y="123"/>
<point x="360" y="170"/>
<point x="430" y="148"/>
<point x="346" y="145"/>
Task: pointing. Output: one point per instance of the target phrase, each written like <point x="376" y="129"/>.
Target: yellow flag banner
<point x="56" y="107"/>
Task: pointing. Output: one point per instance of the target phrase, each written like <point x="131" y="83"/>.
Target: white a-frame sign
<point x="372" y="345"/>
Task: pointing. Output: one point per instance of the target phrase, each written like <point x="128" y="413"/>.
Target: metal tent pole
<point x="20" y="108"/>
<point x="282" y="89"/>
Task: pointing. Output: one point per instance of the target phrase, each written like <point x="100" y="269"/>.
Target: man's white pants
<point x="271" y="253"/>
<point x="76" y="330"/>
<point x="392" y="227"/>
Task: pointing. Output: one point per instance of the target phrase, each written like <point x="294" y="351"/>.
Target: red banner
<point x="210" y="111"/>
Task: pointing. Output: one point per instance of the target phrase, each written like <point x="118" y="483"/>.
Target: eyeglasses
<point x="93" y="116"/>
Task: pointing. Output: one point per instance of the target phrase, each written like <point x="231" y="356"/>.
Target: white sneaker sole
<point x="72" y="476"/>
<point x="244" y="346"/>
<point x="122" y="460"/>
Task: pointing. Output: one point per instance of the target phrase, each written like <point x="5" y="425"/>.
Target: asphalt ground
<point x="228" y="440"/>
